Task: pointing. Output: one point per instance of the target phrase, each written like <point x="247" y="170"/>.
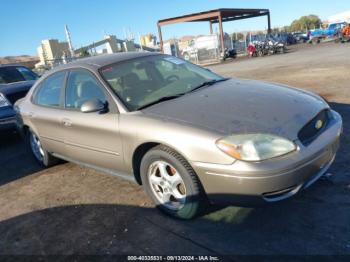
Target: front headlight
<point x="3" y="101"/>
<point x="255" y="147"/>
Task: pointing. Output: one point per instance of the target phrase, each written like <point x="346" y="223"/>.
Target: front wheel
<point x="40" y="154"/>
<point x="172" y="183"/>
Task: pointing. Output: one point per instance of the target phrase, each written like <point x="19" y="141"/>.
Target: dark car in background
<point x="284" y="37"/>
<point x="15" y="82"/>
<point x="301" y="37"/>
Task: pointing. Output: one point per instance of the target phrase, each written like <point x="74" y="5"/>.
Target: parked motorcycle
<point x="276" y="47"/>
<point x="229" y="53"/>
<point x="266" y="47"/>
<point x="261" y="48"/>
<point x="251" y="49"/>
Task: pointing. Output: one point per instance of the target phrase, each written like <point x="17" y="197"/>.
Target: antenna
<point x="69" y="40"/>
<point x="125" y="36"/>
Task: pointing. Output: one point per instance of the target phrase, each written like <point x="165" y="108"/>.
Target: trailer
<point x="332" y="32"/>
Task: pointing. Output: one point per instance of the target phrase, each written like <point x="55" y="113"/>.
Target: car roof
<point x="103" y="60"/>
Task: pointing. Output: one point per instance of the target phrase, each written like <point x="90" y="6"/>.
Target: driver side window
<point x="81" y="87"/>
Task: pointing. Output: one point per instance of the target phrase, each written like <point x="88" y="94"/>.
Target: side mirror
<point x="92" y="105"/>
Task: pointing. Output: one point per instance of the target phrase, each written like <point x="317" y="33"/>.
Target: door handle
<point x="66" y="122"/>
<point x="31" y="114"/>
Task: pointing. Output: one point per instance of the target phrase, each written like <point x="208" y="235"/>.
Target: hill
<point x="25" y="60"/>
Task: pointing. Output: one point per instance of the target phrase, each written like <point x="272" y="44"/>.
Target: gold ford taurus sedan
<point x="189" y="136"/>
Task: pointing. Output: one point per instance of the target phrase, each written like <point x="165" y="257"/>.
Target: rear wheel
<point x="186" y="56"/>
<point x="315" y="41"/>
<point x="40" y="154"/>
<point x="172" y="183"/>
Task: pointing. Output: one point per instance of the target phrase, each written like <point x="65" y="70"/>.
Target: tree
<point x="84" y="53"/>
<point x="305" y="23"/>
<point x="275" y="30"/>
<point x="237" y="36"/>
<point x="285" y="29"/>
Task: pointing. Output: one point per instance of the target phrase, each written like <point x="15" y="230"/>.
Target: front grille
<point x="313" y="129"/>
<point x="12" y="98"/>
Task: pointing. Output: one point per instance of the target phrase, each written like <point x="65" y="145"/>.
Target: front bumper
<point x="7" y="118"/>
<point x="250" y="184"/>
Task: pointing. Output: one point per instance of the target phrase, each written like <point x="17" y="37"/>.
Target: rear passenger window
<point x="49" y="92"/>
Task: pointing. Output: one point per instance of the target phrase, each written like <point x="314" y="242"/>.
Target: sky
<point x="24" y="23"/>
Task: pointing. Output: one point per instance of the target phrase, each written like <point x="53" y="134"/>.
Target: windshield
<point x="12" y="74"/>
<point x="143" y="81"/>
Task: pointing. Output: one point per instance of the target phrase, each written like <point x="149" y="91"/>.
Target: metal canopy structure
<point x="215" y="16"/>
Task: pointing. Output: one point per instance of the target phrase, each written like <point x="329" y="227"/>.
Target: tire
<point x="43" y="157"/>
<point x="193" y="199"/>
<point x="186" y="56"/>
<point x="315" y="41"/>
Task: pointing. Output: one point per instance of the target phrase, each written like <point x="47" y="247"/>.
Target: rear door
<point x="46" y="112"/>
<point x="91" y="138"/>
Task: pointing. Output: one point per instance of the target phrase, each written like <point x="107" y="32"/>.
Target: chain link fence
<point x="206" y="49"/>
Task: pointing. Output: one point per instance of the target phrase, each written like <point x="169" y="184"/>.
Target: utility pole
<point x="69" y="40"/>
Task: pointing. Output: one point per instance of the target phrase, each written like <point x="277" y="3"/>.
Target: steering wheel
<point x="172" y="78"/>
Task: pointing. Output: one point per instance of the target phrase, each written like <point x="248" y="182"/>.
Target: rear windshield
<point x="14" y="74"/>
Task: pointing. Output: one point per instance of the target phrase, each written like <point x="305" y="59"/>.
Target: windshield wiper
<point x="166" y="98"/>
<point x="162" y="99"/>
<point x="207" y="83"/>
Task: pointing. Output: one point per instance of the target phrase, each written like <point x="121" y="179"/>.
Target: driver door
<point x="91" y="138"/>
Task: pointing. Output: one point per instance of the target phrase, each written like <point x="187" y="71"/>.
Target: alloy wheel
<point x="35" y="145"/>
<point x="167" y="185"/>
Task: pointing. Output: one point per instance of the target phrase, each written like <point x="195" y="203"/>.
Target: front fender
<point x="194" y="144"/>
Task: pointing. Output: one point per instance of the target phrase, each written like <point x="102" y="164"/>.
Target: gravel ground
<point x="324" y="69"/>
<point x="68" y="209"/>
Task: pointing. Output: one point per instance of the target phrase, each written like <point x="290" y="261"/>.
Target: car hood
<point x="11" y="88"/>
<point x="243" y="106"/>
<point x="15" y="91"/>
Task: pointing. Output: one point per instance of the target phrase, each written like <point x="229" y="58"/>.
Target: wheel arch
<point x="139" y="153"/>
<point x="137" y="156"/>
<point x="24" y="130"/>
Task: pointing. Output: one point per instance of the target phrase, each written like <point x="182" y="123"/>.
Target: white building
<point x="339" y="18"/>
<point x="50" y="51"/>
